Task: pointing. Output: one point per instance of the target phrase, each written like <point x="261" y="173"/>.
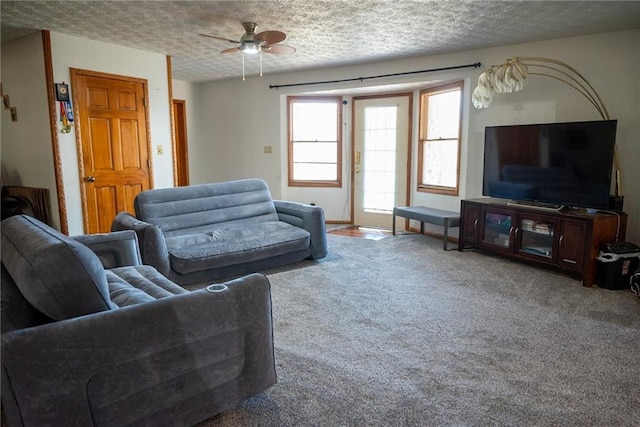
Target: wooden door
<point x="112" y="137"/>
<point x="181" y="150"/>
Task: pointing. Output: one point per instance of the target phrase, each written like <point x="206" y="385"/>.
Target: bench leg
<point x="445" y="236"/>
<point x="393" y="224"/>
<point x="421" y="227"/>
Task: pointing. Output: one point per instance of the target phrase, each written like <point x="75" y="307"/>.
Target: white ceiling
<point x="325" y="33"/>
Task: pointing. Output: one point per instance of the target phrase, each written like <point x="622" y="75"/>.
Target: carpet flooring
<point x="398" y="332"/>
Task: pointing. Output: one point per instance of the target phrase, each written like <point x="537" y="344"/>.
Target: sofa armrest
<point x="153" y="247"/>
<point x="201" y="352"/>
<point x="308" y="217"/>
<point x="117" y="249"/>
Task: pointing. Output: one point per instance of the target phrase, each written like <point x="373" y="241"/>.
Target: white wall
<point x="73" y="52"/>
<point x="231" y="121"/>
<point x="239" y="118"/>
<point x="27" y="153"/>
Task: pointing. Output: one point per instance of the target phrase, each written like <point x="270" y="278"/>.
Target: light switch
<point x="268" y="149"/>
<point x="160" y="149"/>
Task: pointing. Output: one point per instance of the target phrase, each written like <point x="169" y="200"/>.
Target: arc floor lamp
<point x="511" y="75"/>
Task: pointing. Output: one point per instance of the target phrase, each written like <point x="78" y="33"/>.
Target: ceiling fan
<point x="251" y="43"/>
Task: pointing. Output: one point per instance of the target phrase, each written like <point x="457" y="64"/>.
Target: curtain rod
<point x="455" y="67"/>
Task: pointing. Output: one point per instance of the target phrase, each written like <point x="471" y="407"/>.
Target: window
<point x="439" y="145"/>
<point x="315" y="142"/>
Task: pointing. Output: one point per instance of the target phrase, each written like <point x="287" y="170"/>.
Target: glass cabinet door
<point x="536" y="236"/>
<point x="497" y="229"/>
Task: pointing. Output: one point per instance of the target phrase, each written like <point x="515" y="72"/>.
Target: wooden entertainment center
<point x="567" y="240"/>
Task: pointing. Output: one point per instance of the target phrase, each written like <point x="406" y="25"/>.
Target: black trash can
<point x="616" y="264"/>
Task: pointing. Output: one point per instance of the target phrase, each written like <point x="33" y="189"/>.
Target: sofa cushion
<point x="57" y="275"/>
<point x="123" y="294"/>
<point x="229" y="246"/>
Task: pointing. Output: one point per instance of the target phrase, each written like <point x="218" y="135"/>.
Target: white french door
<point x="380" y="158"/>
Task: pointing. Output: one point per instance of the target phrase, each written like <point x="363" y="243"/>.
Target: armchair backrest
<point x="16" y="312"/>
<point x="57" y="275"/>
<point x="200" y="208"/>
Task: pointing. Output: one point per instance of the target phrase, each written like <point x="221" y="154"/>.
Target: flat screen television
<point x="560" y="164"/>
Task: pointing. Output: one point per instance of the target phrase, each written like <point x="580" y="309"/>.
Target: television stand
<point x="567" y="240"/>
<point x="535" y="205"/>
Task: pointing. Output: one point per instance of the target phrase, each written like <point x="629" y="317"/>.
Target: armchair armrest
<point x="308" y="217"/>
<point x="117" y="249"/>
<point x="153" y="247"/>
<point x="174" y="361"/>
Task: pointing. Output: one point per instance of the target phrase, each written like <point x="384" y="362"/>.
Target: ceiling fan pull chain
<point x="243" y="79"/>
<point x="260" y="64"/>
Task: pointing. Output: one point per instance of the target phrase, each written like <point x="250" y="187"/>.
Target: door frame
<point x="53" y="127"/>
<point x="75" y="73"/>
<point x="409" y="95"/>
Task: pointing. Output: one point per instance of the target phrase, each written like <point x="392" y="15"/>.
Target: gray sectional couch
<point x="205" y="232"/>
<point x="96" y="338"/>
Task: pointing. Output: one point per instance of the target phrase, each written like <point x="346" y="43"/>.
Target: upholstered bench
<point x="429" y="215"/>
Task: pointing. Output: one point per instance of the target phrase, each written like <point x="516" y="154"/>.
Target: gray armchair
<point x="84" y="345"/>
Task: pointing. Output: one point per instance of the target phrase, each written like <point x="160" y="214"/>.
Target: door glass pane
<point x="497" y="229"/>
<point x="379" y="180"/>
<point x="537" y="237"/>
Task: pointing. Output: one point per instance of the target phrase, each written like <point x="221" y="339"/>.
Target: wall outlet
<point x="160" y="149"/>
<point x="268" y="149"/>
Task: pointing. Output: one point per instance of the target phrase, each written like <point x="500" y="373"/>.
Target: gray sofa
<point x="205" y="232"/>
<point x="84" y="345"/>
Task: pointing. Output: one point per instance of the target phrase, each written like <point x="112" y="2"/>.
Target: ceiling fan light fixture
<point x="250" y="47"/>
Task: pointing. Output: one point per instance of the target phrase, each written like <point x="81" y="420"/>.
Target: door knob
<point x="90" y="178"/>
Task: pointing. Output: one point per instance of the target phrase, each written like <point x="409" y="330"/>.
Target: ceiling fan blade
<point x="278" y="49"/>
<point x="219" y="38"/>
<point x="270" y="37"/>
<point x="231" y="50"/>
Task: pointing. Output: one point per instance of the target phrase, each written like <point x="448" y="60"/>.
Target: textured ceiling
<point x="325" y="33"/>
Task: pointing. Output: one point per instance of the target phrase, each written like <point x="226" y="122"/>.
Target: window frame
<point x="422" y="137"/>
<point x="291" y="100"/>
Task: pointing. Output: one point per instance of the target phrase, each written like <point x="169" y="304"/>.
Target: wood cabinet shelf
<point x="567" y="240"/>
